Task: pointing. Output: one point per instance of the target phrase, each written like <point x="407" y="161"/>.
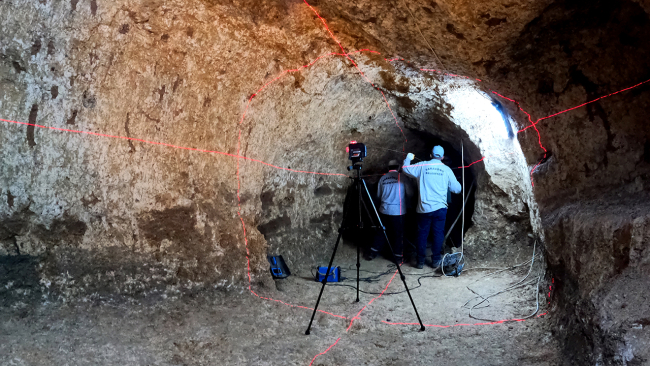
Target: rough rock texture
<point x="98" y="210"/>
<point x="591" y="187"/>
<point x="598" y="252"/>
<point x="174" y="73"/>
<point x="220" y="328"/>
<point x="87" y="214"/>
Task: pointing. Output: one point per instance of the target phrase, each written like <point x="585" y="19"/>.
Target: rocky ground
<point x="240" y="329"/>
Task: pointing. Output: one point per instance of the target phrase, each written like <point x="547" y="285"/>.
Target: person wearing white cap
<point x="434" y="179"/>
<point x="393" y="192"/>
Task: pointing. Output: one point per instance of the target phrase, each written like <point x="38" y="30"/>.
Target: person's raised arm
<point x="408" y="169"/>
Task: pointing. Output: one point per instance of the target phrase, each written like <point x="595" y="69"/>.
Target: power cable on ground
<point x="520" y="283"/>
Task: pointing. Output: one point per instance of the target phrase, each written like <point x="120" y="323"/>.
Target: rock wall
<point x="594" y="178"/>
<point x="597" y="250"/>
<point x="92" y="214"/>
<point x="179" y="74"/>
<point x="574" y="53"/>
<point x="141" y="214"/>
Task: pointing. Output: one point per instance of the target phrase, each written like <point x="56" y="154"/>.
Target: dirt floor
<point x="240" y="329"/>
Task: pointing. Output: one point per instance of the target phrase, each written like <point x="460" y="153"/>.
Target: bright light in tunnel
<point x="483" y="117"/>
<point x="504" y="116"/>
<point x="496" y="117"/>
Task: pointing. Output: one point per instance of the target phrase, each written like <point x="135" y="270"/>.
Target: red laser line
<point x="168" y="145"/>
<point x="324" y="352"/>
<point x="325" y="25"/>
<point x="533" y="124"/>
<point x="357" y="67"/>
<point x="532" y="182"/>
<point x="297" y="306"/>
<point x="481" y="159"/>
<point x="371" y="301"/>
<point x="584" y="104"/>
<point x="464" y="324"/>
<point x="478" y="161"/>
<point x="539" y="136"/>
<point x="356" y="317"/>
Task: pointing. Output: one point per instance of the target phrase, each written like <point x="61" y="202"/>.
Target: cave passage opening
<point x="422" y="149"/>
<point x="299" y="217"/>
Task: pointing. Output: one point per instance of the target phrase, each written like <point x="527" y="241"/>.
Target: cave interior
<point x="155" y="153"/>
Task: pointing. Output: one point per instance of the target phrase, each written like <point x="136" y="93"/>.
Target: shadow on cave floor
<point x="240" y="329"/>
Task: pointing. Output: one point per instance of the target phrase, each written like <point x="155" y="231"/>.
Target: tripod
<point x="360" y="183"/>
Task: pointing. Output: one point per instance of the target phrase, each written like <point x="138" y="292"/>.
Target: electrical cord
<point x="401" y="152"/>
<point x="377" y="277"/>
<point x="520" y="283"/>
<point x="500" y="269"/>
<point x="391" y="268"/>
<point x="423" y="37"/>
<point x="387" y="293"/>
<point x="369" y="279"/>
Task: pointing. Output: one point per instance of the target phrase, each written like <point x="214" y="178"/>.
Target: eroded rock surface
<point x="183" y="74"/>
<point x="85" y="214"/>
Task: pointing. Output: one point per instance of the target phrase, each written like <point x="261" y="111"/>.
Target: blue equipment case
<point x="279" y="268"/>
<point x="334" y="275"/>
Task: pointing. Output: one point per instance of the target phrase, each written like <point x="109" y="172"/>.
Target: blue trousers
<point x="431" y="222"/>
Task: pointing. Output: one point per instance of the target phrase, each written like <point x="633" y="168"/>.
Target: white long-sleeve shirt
<point x="393" y="192"/>
<point x="434" y="179"/>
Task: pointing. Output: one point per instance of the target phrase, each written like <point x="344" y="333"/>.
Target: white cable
<point x="423" y="37"/>
<point x="499" y="269"/>
<point x="509" y="288"/>
<point x="462" y="230"/>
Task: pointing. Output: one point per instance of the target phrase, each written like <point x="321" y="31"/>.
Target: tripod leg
<point x="399" y="268"/>
<point x="358" y="265"/>
<point x="360" y="225"/>
<point x="329" y="268"/>
<point x="401" y="275"/>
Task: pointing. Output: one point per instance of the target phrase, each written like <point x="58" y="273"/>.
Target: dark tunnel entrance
<point x="453" y="227"/>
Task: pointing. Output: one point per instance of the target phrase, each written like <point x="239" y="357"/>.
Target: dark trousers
<point x="395" y="231"/>
<point x="434" y="223"/>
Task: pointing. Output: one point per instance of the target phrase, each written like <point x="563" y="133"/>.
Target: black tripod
<point x="358" y="184"/>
